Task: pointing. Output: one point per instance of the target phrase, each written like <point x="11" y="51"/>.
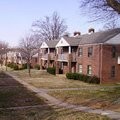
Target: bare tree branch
<point x="28" y="48"/>
<point x="103" y="10"/>
<point x="51" y="28"/>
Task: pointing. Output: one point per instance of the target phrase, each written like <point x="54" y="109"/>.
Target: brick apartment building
<point x="96" y="53"/>
<point x="48" y="54"/>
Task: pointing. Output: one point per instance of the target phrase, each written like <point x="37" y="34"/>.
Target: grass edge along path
<point x="54" y="101"/>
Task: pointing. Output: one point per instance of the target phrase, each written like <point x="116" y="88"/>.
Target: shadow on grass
<point x="14" y="94"/>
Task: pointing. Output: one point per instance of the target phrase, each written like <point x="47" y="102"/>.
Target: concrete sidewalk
<point x="53" y="101"/>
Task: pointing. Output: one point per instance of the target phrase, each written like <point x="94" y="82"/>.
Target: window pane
<point x="90" y="51"/>
<point x="89" y="70"/>
<point x="80" y="52"/>
<point x="80" y="68"/>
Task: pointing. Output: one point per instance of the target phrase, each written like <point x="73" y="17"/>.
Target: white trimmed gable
<point x="62" y="42"/>
<point x="114" y="40"/>
<point x="44" y="45"/>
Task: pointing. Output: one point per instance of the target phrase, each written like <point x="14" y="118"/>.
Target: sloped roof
<point x="73" y="41"/>
<point x="114" y="40"/>
<point x="35" y="56"/>
<point x="99" y="37"/>
<point x="52" y="43"/>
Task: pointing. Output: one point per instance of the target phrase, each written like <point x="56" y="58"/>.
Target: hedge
<point x="82" y="77"/>
<point x="51" y="70"/>
<point x="24" y="66"/>
<point x="37" y="67"/>
<point x="16" y="67"/>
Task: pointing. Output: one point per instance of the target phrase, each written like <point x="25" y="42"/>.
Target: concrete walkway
<point x="53" y="101"/>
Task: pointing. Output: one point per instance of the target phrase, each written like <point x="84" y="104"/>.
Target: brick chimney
<point x="77" y="34"/>
<point x="91" y="30"/>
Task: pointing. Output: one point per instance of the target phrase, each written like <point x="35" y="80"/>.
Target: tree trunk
<point x="114" y="4"/>
<point x="29" y="69"/>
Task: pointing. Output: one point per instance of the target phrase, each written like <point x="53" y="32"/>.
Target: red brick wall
<point x="108" y="62"/>
<point x="94" y="60"/>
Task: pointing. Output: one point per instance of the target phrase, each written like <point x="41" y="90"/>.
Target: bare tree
<point x="111" y="25"/>
<point x="3" y="51"/>
<point x="28" y="49"/>
<point x="51" y="28"/>
<point x="105" y="10"/>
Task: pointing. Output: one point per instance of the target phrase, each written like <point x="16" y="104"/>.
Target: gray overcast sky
<point x="16" y="17"/>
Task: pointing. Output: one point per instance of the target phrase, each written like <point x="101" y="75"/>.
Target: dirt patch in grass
<point x="48" y="113"/>
<point x="108" y="98"/>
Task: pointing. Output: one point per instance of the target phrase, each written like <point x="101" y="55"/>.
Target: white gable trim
<point x="114" y="40"/>
<point x="62" y="42"/>
<point x="44" y="45"/>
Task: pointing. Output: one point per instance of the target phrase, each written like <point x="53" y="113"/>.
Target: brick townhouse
<point x="95" y="53"/>
<point x="66" y="58"/>
<point x="98" y="54"/>
<point x="48" y="54"/>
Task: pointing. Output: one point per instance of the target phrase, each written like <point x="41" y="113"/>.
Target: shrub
<point x="16" y="67"/>
<point x="51" y="70"/>
<point x="82" y="77"/>
<point x="24" y="66"/>
<point x="11" y="65"/>
<point x="95" y="80"/>
<point x="69" y="76"/>
<point x="76" y="76"/>
<point x="37" y="66"/>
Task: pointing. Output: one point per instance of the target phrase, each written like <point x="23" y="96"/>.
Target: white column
<point x="69" y="49"/>
<point x="57" y="50"/>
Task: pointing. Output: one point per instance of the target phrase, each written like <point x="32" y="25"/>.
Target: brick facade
<point x="107" y="62"/>
<point x="89" y="54"/>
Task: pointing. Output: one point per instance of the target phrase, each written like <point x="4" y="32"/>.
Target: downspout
<point x="101" y="62"/>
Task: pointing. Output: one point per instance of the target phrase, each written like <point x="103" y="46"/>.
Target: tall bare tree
<point x="51" y="28"/>
<point x="105" y="10"/>
<point x="28" y="47"/>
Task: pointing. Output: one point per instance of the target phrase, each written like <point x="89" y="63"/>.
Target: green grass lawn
<point x="41" y="79"/>
<point x="13" y="94"/>
<point x="104" y="98"/>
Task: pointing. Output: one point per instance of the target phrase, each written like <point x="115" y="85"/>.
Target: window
<point x="80" y="52"/>
<point x="89" y="70"/>
<point x="113" y="71"/>
<point x="80" y="68"/>
<point x="90" y="51"/>
<point x="113" y="51"/>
